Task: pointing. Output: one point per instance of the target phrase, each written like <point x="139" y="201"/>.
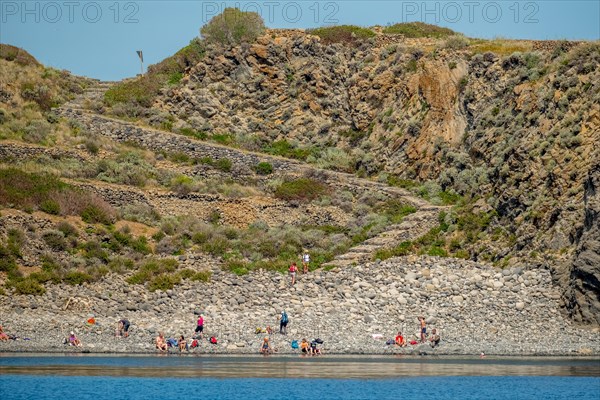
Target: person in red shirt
<point x="199" y="327"/>
<point x="293" y="270"/>
<point x="400" y="341"/>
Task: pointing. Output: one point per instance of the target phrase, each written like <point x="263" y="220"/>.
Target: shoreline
<point x="355" y="310"/>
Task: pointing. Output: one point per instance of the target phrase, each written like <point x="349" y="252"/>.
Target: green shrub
<point x="283" y="148"/>
<point x="164" y="282"/>
<point x="92" y="146"/>
<point x="120" y="264"/>
<point x="224" y="164"/>
<point x="16" y="240"/>
<point x="233" y="27"/>
<point x="186" y="273"/>
<point x="141" y="245"/>
<point x="7" y="260"/>
<point x="223" y="138"/>
<point x="418" y="29"/>
<point x="175" y="78"/>
<point x="93" y="214"/>
<point x="20" y="189"/>
<point x="349" y="34"/>
<point x="216" y="245"/>
<point x="193" y="133"/>
<point x="77" y="278"/>
<point x="202" y="276"/>
<point x="302" y="189"/>
<point x="402" y="249"/>
<point x="263" y="168"/>
<point x="27" y="286"/>
<point x="437" y="251"/>
<point x="456" y="42"/>
<point x="50" y="207"/>
<point x="55" y="240"/>
<point x="93" y="249"/>
<point x="237" y="267"/>
<point x="151" y="269"/>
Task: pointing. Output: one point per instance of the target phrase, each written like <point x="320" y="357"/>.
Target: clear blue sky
<point x="99" y="38"/>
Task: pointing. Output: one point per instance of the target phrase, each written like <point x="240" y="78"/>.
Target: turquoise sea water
<point x="174" y="377"/>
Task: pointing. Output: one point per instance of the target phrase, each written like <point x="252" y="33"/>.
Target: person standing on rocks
<point x="305" y="261"/>
<point x="199" y="326"/>
<point x="283" y="322"/>
<point x="293" y="270"/>
<point x="423" y="328"/>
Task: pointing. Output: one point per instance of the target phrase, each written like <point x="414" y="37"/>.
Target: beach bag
<point x="390" y="341"/>
<point x="213" y="340"/>
<point x="294" y="344"/>
<point x="194" y="343"/>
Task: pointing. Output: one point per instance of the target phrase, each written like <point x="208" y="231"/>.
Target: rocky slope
<point x="513" y="124"/>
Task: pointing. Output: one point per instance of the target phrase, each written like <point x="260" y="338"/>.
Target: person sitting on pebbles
<point x="74" y="340"/>
<point x="266" y="346"/>
<point x="161" y="343"/>
<point x="399" y="340"/>
<point x="3" y="336"/>
<point x="434" y="340"/>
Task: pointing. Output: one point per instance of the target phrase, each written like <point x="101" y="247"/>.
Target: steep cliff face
<point x="583" y="292"/>
<point x="517" y="130"/>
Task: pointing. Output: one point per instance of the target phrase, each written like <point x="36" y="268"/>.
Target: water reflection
<point x="294" y="367"/>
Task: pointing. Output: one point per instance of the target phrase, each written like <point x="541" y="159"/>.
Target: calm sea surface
<point x="84" y="376"/>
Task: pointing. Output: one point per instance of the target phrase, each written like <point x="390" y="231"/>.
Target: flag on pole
<point x="140" y="55"/>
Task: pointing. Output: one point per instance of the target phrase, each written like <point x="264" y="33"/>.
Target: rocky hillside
<point x="353" y="144"/>
<point x="505" y="130"/>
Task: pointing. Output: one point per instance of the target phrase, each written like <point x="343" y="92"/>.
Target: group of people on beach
<point x="434" y="338"/>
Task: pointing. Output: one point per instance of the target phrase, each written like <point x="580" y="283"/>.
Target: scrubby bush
<point x="224" y="164"/>
<point x="50" y="206"/>
<point x="203" y="276"/>
<point x="77" y="278"/>
<point x="263" y="168"/>
<point x="27" y="286"/>
<point x="418" y="29"/>
<point x="233" y="27"/>
<point x="335" y="159"/>
<point x="456" y="42"/>
<point x="151" y="269"/>
<point x="164" y="282"/>
<point x="349" y="34"/>
<point x="96" y="214"/>
<point x="302" y="189"/>
<point x="55" y="240"/>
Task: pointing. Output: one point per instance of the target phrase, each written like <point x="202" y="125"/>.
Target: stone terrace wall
<point x="13" y="151"/>
<point x="243" y="162"/>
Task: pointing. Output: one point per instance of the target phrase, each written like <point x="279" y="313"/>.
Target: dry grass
<point x="501" y="47"/>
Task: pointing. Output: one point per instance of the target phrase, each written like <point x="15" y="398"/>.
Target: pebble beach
<point x="477" y="309"/>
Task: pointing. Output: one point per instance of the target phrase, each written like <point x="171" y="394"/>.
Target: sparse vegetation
<point x="418" y="30"/>
<point x="302" y="189"/>
<point x="348" y="34"/>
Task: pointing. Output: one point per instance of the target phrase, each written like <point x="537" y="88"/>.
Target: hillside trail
<point x="411" y="227"/>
